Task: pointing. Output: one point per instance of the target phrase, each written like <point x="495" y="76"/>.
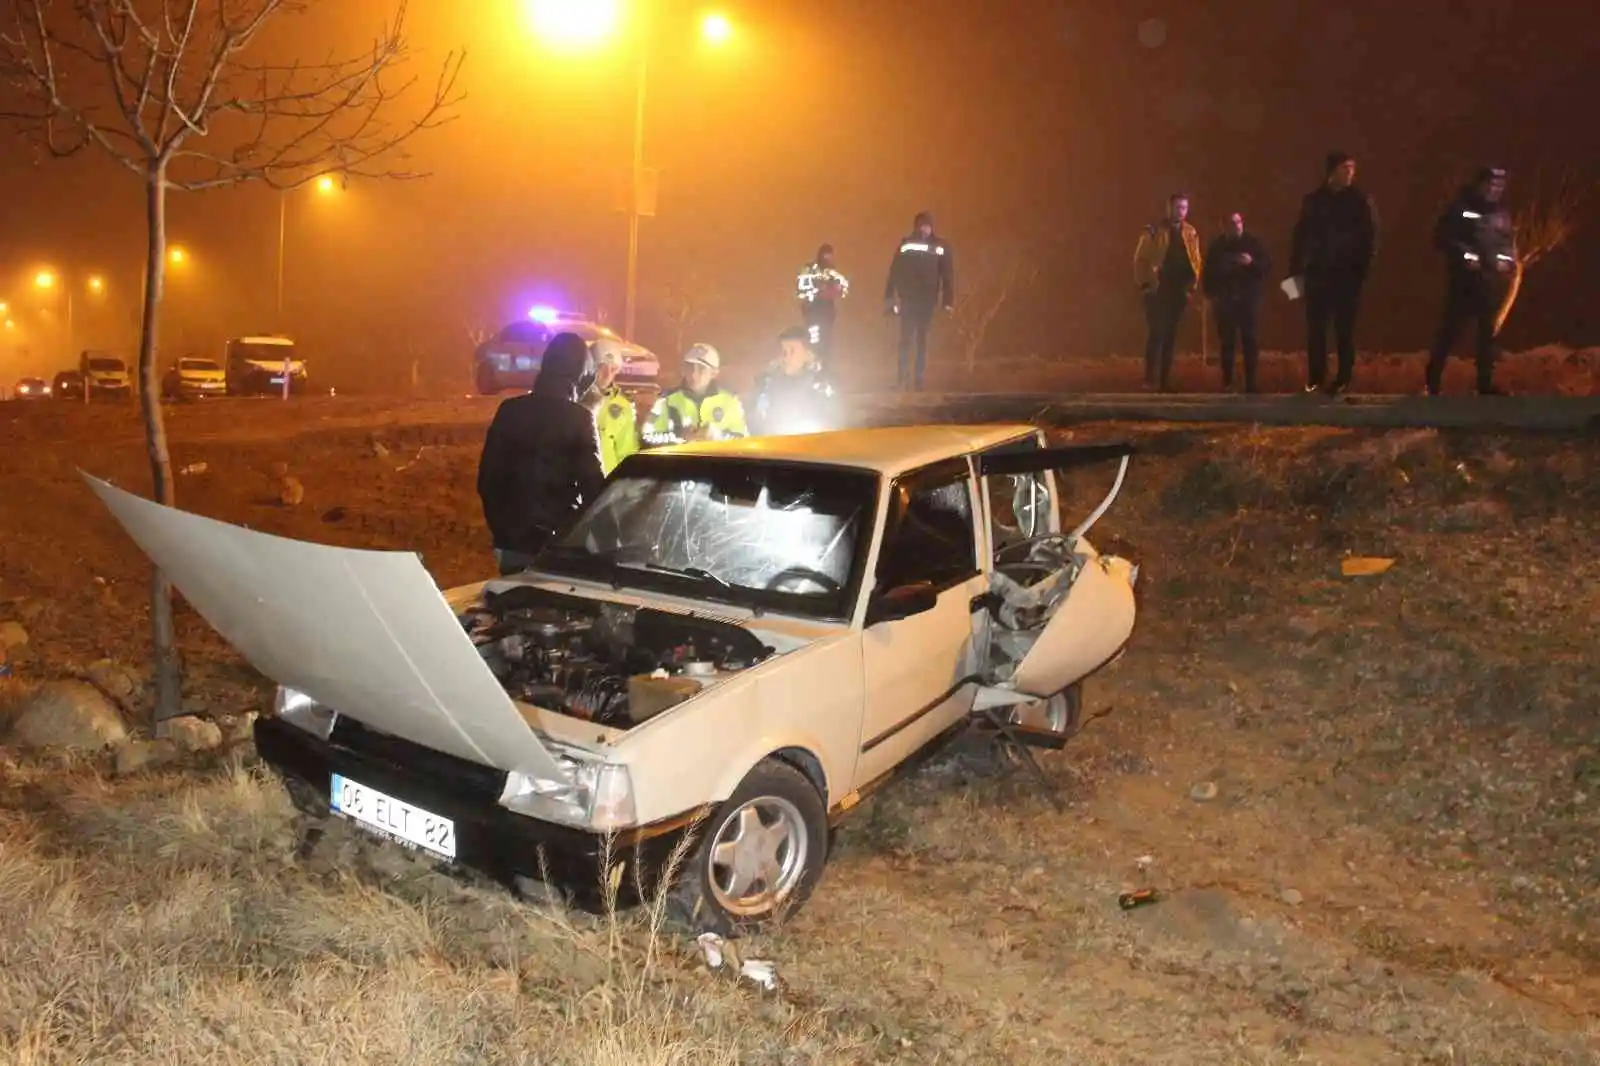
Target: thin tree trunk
<point x="168" y="678"/>
<point x="1511" y="297"/>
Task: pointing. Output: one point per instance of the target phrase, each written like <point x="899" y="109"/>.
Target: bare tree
<point x="1549" y="216"/>
<point x="686" y="302"/>
<point x="180" y="93"/>
<point x="989" y="281"/>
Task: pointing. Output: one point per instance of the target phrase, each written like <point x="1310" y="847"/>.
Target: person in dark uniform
<point x="541" y="456"/>
<point x="1166" y="267"/>
<point x="819" y="287"/>
<point x="1480" y="249"/>
<point x="1235" y="266"/>
<point x="1331" y="251"/>
<point x="921" y="279"/>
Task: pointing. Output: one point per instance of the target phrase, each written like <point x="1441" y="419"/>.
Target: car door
<point x="919" y="670"/>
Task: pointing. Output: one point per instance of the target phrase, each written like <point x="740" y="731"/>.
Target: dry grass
<point x="1398" y="866"/>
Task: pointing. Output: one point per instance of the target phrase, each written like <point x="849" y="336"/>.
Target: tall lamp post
<point x="48" y="281"/>
<point x="325" y="186"/>
<point x="584" y="23"/>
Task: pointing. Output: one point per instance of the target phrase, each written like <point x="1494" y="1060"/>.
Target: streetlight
<point x="569" y="23"/>
<point x="326" y="185"/>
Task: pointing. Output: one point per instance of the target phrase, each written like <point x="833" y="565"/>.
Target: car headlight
<point x="303" y="712"/>
<point x="595" y="794"/>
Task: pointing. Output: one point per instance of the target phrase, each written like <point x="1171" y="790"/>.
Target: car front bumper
<point x="494" y="841"/>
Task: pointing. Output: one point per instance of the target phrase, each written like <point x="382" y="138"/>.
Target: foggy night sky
<point x="1041" y="125"/>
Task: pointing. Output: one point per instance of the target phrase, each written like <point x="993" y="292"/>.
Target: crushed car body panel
<point x="366" y="633"/>
<point x="1088" y="618"/>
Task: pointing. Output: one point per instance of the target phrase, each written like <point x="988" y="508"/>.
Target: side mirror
<point x="902" y="601"/>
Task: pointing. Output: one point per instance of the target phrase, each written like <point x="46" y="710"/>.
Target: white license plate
<point x="393" y="818"/>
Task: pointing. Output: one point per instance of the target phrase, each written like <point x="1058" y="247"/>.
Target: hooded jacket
<point x="922" y="275"/>
<point x="541" y="456"/>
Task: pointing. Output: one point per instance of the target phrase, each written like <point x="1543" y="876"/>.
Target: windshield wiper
<point x="696" y="572"/>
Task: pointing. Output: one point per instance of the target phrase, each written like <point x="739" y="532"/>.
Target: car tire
<point x="704" y="896"/>
<point x="488" y="382"/>
<point x="1061" y="714"/>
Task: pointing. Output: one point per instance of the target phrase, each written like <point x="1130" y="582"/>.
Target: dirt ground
<point x="1371" y="805"/>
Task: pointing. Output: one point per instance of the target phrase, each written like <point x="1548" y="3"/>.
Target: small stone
<point x="1204" y="792"/>
<point x="379" y="450"/>
<point x="191" y="734"/>
<point x="1292" y="897"/>
<point x="139" y="755"/>
<point x="1308" y="626"/>
<point x="291" y="492"/>
<point x="68" y="714"/>
<point x="12" y="635"/>
<point x="113" y="679"/>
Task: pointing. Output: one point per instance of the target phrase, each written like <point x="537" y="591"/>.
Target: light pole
<point x="584" y="23"/>
<point x="325" y="186"/>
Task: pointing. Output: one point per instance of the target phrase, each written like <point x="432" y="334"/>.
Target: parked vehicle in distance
<point x="33" y="389"/>
<point x="255" y="366"/>
<point x="511" y="358"/>
<point x="68" y="385"/>
<point x="192" y="378"/>
<point x="107" y="375"/>
<point x="738" y="640"/>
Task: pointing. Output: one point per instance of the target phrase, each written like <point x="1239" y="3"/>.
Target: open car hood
<point x="366" y="633"/>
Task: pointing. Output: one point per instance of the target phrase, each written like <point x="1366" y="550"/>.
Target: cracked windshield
<point x="742" y="533"/>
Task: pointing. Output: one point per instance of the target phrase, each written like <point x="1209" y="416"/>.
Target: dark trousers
<point x="1467" y="296"/>
<point x="819" y="316"/>
<point x="1236" y="327"/>
<point x="914" y="323"/>
<point x="1163" y="313"/>
<point x="1331" y="299"/>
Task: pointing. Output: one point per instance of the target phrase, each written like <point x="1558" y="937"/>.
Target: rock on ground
<point x="192" y="734"/>
<point x="68" y="714"/>
<point x="12" y="635"/>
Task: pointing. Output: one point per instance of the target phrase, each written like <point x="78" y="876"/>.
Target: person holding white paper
<point x="1331" y="250"/>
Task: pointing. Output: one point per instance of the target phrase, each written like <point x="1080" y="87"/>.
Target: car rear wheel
<point x="1061" y="713"/>
<point x="488" y="382"/>
<point x="759" y="855"/>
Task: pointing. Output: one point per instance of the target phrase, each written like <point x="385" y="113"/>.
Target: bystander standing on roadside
<point x="1235" y="267"/>
<point x="1166" y="268"/>
<point x="1330" y="253"/>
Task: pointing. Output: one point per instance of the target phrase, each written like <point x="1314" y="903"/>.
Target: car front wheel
<point x="759" y="855"/>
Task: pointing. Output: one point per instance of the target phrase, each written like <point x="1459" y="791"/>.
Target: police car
<point x="511" y="358"/>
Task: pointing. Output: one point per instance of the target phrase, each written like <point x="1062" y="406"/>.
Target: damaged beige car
<point x="734" y="643"/>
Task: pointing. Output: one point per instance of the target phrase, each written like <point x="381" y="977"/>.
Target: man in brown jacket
<point x="1166" y="267"/>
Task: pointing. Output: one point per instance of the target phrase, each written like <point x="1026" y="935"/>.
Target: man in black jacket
<point x="1331" y="251"/>
<point x="792" y="394"/>
<point x="1480" y="249"/>
<point x="541" y="457"/>
<point x="1235" y="265"/>
<point x="921" y="278"/>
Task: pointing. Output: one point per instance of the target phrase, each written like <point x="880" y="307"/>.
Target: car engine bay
<point x="611" y="664"/>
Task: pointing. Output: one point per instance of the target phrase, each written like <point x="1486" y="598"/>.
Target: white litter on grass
<point x="761" y="972"/>
<point x="758" y="971"/>
<point x="711" y="948"/>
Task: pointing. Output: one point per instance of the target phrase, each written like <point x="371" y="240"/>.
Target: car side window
<point x="929" y="536"/>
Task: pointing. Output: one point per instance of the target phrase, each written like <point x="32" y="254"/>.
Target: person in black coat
<point x="1236" y="264"/>
<point x="1480" y="249"/>
<point x="1332" y="248"/>
<point x="921" y="279"/>
<point x="541" y="456"/>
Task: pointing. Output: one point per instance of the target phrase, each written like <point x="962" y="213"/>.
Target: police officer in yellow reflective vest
<point x="615" y="418"/>
<point x="699" y="409"/>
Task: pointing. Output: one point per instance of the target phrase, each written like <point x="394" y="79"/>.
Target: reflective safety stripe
<point x="1470" y="214"/>
<point x="919" y="246"/>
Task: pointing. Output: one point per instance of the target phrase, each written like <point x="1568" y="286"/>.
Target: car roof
<point x="889" y="450"/>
